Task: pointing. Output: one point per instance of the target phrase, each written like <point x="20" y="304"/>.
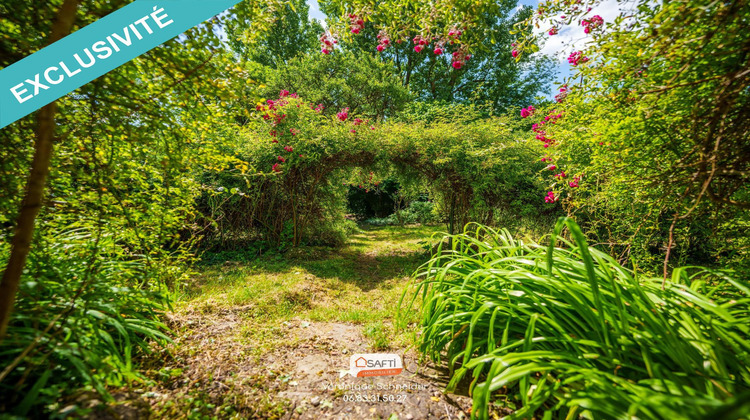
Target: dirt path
<point x="230" y="361"/>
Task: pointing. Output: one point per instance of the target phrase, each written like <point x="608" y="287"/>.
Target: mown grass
<point x="359" y="283"/>
<point x="233" y="322"/>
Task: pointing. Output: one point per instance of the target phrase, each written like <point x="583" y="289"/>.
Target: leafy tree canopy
<point x="291" y="34"/>
<point x="489" y="75"/>
<point x="360" y="82"/>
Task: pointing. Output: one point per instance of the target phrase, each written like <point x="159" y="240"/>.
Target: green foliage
<point x="86" y="307"/>
<point x="657" y="120"/>
<point x="116" y="226"/>
<point x="568" y="331"/>
<point x="421" y="211"/>
<point x="472" y="170"/>
<point x="490" y="77"/>
<point x="445" y="112"/>
<point x="417" y="212"/>
<point x="405" y="19"/>
<point x="360" y="82"/>
<point x="379" y="335"/>
<point x="170" y="148"/>
<point x="302" y="159"/>
<point x="291" y="34"/>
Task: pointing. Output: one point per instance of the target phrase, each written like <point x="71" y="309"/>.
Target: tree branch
<point x="34" y="195"/>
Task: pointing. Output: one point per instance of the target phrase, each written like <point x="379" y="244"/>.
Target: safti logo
<point x="362" y="365"/>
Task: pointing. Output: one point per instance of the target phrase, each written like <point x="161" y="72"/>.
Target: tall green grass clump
<point x="86" y="308"/>
<point x="565" y="331"/>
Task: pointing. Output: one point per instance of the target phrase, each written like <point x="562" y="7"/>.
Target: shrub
<point x="333" y="233"/>
<point x="301" y="157"/>
<point x="656" y="156"/>
<point x="361" y="82"/>
<point x="569" y="331"/>
<point x="417" y="212"/>
<point x="84" y="310"/>
<point x="422" y="211"/>
<point x="472" y="170"/>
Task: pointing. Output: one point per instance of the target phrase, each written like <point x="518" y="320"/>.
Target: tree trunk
<point x="399" y="216"/>
<point x="34" y="194"/>
<point x="409" y="68"/>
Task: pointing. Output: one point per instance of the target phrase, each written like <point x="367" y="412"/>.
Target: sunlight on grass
<point x="359" y="283"/>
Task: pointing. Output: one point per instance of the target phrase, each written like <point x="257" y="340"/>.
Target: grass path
<point x="267" y="339"/>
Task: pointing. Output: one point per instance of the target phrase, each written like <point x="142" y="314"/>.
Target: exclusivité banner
<point x="96" y="49"/>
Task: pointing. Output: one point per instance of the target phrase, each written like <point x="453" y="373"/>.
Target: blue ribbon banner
<point x="100" y="47"/>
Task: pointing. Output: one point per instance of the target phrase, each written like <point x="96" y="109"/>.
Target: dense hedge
<point x="308" y="161"/>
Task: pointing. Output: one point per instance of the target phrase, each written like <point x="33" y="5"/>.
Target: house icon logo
<point x="375" y="364"/>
